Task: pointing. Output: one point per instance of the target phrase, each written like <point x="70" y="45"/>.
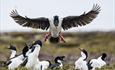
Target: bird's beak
<point x="81" y="49"/>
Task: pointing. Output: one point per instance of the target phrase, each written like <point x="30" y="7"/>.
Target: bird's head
<point x="56" y="20"/>
<point x="12" y="47"/>
<point x="59" y="58"/>
<point x="104" y="55"/>
<point x="37" y="42"/>
<point x="35" y="47"/>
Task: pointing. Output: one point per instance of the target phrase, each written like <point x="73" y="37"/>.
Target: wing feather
<point x="85" y="18"/>
<point x="40" y="23"/>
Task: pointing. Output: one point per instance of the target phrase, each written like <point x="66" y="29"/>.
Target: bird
<point x="45" y="64"/>
<point x="56" y="23"/>
<point x="97" y="63"/>
<point x="58" y="62"/>
<point x="81" y="63"/>
<point x="32" y="62"/>
<point x="15" y="61"/>
<point x="13" y="51"/>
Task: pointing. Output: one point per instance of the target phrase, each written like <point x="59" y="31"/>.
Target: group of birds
<point x="29" y="58"/>
<point x="82" y="64"/>
<point x="56" y="24"/>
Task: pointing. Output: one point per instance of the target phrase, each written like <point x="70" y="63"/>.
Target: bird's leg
<point x="47" y="36"/>
<point x="61" y="37"/>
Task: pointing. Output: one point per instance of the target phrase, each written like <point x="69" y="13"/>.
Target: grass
<point x="94" y="42"/>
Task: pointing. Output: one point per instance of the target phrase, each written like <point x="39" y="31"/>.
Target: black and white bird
<point x="81" y="63"/>
<point x="56" y="24"/>
<point x="44" y="65"/>
<point x="15" y="62"/>
<point x="32" y="62"/>
<point x="58" y="62"/>
<point x="13" y="51"/>
<point x="97" y="63"/>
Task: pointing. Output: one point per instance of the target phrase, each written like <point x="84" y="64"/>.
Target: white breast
<point x="81" y="64"/>
<point x="55" y="30"/>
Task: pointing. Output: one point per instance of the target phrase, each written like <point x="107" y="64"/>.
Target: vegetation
<point x="94" y="42"/>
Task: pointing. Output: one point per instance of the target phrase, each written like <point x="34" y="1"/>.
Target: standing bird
<point x="32" y="62"/>
<point x="81" y="63"/>
<point x="13" y="51"/>
<point x="97" y="63"/>
<point x="56" y="24"/>
<point x="15" y="62"/>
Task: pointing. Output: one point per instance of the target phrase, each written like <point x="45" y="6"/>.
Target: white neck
<point x="99" y="58"/>
<point x="61" y="64"/>
<point x="13" y="53"/>
<point x="36" y="50"/>
<point x="83" y="56"/>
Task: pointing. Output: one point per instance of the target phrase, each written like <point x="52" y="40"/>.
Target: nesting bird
<point x="58" y="62"/>
<point x="97" y="63"/>
<point x="56" y="24"/>
<point x="81" y="63"/>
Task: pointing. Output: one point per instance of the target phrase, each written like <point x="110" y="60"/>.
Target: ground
<point x="94" y="42"/>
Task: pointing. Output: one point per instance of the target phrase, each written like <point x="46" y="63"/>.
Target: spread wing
<point x="86" y="18"/>
<point x="39" y="23"/>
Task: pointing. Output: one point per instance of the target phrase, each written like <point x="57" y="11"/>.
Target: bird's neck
<point x="83" y="56"/>
<point x="35" y="53"/>
<point x="100" y="58"/>
<point x="59" y="61"/>
<point x="13" y="53"/>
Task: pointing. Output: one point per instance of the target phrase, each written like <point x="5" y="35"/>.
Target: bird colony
<point x="29" y="59"/>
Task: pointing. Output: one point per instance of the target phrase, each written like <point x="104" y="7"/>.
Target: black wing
<point x="24" y="62"/>
<point x="40" y="23"/>
<point x="86" y="18"/>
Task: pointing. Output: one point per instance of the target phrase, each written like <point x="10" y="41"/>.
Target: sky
<point x="105" y="21"/>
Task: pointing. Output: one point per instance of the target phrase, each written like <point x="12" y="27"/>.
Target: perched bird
<point x="58" y="62"/>
<point x="32" y="62"/>
<point x="13" y="51"/>
<point x="81" y="63"/>
<point x="16" y="61"/>
<point x="56" y="24"/>
<point x="97" y="63"/>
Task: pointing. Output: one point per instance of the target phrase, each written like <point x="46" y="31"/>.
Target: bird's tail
<point x="54" y="40"/>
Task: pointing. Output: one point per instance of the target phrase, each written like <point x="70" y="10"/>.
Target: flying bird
<point x="56" y="24"/>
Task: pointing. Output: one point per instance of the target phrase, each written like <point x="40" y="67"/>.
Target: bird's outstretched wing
<point x="39" y="23"/>
<point x="85" y="18"/>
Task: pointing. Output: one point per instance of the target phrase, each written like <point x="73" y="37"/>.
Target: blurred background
<point x="96" y="37"/>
